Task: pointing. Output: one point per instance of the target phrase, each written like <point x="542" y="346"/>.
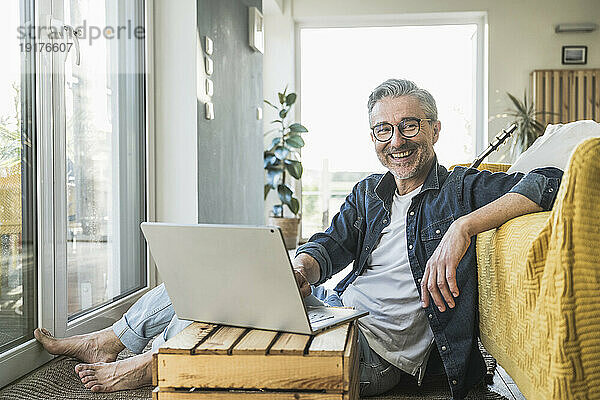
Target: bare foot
<point x="101" y="346"/>
<point x="129" y="373"/>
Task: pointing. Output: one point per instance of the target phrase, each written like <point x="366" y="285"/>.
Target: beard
<point x="412" y="165"/>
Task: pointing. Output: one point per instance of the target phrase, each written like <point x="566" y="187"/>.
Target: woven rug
<point x="57" y="380"/>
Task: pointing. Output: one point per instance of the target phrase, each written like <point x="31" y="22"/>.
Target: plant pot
<point x="289" y="229"/>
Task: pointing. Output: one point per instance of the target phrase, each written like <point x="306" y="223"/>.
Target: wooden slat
<point x="251" y="372"/>
<point x="538" y="90"/>
<point x="546" y="118"/>
<point x="331" y="342"/>
<point x="221" y="341"/>
<point x="573" y="96"/>
<point x="166" y="394"/>
<point x="155" y="369"/>
<point x="352" y="388"/>
<point x="580" y="95"/>
<point x="255" y="341"/>
<point x="566" y="109"/>
<point x="290" y="344"/>
<point x="556" y="97"/>
<point x="349" y="352"/>
<point x="589" y="92"/>
<point x="597" y="100"/>
<point x="187" y="339"/>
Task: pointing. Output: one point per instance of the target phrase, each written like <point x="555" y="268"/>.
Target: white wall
<point x="521" y="38"/>
<point x="175" y="107"/>
<point x="278" y="65"/>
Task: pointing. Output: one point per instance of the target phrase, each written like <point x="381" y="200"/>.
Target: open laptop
<point x="235" y="275"/>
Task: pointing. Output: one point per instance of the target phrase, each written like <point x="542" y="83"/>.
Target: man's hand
<point x="439" y="278"/>
<point x="306" y="271"/>
<point x="301" y="281"/>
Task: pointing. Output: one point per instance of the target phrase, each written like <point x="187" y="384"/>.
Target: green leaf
<point x="281" y="97"/>
<point x="285" y="194"/>
<point x="270" y="160"/>
<point x="294" y="168"/>
<point x="267" y="190"/>
<point x="273" y="176"/>
<point x="294" y="206"/>
<point x="283" y="113"/>
<point x="275" y="142"/>
<point x="281" y="152"/>
<point x="518" y="105"/>
<point x="276" y="121"/>
<point x="295" y="141"/>
<point x="290" y="99"/>
<point x="296" y="127"/>
<point x="271" y="104"/>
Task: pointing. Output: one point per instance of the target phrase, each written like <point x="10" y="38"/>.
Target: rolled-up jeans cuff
<point x="128" y="337"/>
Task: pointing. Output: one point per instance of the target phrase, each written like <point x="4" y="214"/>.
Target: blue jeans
<point x="153" y="316"/>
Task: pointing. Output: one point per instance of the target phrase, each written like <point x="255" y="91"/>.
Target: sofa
<point x="539" y="288"/>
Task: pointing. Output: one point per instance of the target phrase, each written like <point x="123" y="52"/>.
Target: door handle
<point x="73" y="33"/>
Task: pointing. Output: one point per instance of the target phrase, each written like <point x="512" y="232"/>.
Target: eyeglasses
<point x="408" y="127"/>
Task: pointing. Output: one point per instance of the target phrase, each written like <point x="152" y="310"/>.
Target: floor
<point x="505" y="386"/>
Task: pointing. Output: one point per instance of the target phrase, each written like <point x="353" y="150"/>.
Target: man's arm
<point x="327" y="253"/>
<point x="439" y="278"/>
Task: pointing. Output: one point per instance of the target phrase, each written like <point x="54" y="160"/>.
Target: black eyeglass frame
<point x="400" y="128"/>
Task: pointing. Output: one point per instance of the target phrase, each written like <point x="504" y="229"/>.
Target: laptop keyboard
<point x="316" y="316"/>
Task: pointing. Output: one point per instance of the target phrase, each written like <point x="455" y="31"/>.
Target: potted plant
<point x="282" y="161"/>
<point x="529" y="127"/>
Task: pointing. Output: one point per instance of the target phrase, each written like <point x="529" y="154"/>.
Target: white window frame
<point x="51" y="312"/>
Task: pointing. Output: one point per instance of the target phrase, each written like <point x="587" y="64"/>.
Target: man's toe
<point x="81" y="368"/>
<point x="90" y="385"/>
<point x="96" y="388"/>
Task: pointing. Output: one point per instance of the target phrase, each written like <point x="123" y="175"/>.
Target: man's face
<point x="406" y="158"/>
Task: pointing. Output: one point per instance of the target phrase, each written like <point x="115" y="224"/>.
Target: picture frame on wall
<point x="257" y="28"/>
<point x="574" y="55"/>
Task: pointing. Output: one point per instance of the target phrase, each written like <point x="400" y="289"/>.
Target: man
<point x="409" y="233"/>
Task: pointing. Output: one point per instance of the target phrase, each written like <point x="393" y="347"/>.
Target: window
<point x="339" y="69"/>
<point x="72" y="169"/>
<point x="18" y="295"/>
<point x="104" y="157"/>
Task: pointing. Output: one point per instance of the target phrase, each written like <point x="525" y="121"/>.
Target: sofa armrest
<point x="492" y="167"/>
<point x="539" y="294"/>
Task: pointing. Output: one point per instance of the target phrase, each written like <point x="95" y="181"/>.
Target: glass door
<point x="104" y="152"/>
<point x="100" y="162"/>
<point x="72" y="170"/>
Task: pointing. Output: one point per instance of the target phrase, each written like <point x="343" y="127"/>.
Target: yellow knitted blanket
<point x="539" y="289"/>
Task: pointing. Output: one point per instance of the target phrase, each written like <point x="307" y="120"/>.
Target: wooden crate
<point x="209" y="361"/>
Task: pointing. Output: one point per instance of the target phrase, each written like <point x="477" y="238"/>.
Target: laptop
<point x="235" y="275"/>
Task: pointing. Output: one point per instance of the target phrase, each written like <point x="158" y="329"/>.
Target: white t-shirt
<point x="397" y="327"/>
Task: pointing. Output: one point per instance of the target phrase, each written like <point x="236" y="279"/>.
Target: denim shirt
<point x="444" y="197"/>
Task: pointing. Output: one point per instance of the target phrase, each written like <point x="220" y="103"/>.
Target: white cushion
<point x="554" y="147"/>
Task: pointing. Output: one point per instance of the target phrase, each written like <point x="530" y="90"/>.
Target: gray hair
<point x="402" y="87"/>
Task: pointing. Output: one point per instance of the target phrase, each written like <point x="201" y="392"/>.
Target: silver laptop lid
<point x="228" y="274"/>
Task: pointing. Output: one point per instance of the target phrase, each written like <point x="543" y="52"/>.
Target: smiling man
<point x="410" y="233"/>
